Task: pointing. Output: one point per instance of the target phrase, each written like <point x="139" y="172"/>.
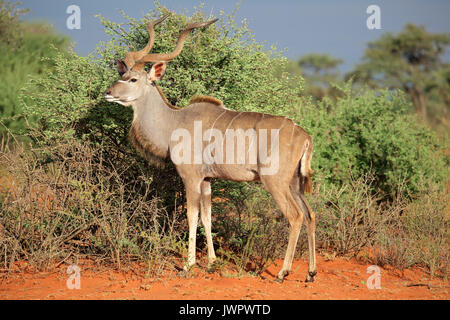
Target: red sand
<point x="337" y="279"/>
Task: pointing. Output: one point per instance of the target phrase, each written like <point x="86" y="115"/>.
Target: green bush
<point x="373" y="131"/>
<point x="69" y="101"/>
<point x="30" y="57"/>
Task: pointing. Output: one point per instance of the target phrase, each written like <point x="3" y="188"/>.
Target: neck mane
<point x="171" y="106"/>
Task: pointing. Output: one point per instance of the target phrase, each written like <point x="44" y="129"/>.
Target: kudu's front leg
<point x="193" y="205"/>
<point x="205" y="204"/>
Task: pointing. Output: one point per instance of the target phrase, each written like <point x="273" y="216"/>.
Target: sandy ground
<point x="336" y="279"/>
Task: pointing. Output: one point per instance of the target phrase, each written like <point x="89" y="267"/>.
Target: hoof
<point x="310" y="276"/>
<point x="186" y="271"/>
<point x="281" y="275"/>
<point x="183" y="273"/>
<point x="212" y="267"/>
<point x="278" y="280"/>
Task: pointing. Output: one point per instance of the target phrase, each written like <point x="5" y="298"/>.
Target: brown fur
<point x="308" y="184"/>
<point x="148" y="150"/>
<point x="208" y="99"/>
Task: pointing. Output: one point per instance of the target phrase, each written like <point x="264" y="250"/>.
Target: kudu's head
<point x="135" y="80"/>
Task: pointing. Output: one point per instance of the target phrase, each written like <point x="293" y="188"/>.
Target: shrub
<point x="373" y="131"/>
<point x="420" y="236"/>
<point x="26" y="50"/>
<point x="77" y="203"/>
<point x="248" y="228"/>
<point x="350" y="217"/>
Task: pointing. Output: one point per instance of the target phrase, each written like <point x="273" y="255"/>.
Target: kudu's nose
<point x="108" y="92"/>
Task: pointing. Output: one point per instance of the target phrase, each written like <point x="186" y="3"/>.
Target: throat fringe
<point x="148" y="150"/>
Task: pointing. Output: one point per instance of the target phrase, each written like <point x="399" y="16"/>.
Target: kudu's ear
<point x="157" y="72"/>
<point x="121" y="67"/>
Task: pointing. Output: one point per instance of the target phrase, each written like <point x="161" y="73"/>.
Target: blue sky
<point x="301" y="26"/>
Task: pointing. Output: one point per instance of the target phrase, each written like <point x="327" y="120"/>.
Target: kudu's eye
<point x="133" y="80"/>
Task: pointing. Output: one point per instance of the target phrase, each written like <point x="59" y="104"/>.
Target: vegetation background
<point x="72" y="186"/>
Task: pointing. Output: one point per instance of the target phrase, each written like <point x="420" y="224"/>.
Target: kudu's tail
<point x="306" y="173"/>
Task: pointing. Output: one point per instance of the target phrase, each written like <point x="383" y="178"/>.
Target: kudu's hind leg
<point x="310" y="222"/>
<point x="311" y="230"/>
<point x="294" y="232"/>
<point x="205" y="204"/>
<point x="289" y="207"/>
<point x="295" y="218"/>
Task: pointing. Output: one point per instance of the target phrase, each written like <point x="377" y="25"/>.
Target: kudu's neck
<point x="153" y="123"/>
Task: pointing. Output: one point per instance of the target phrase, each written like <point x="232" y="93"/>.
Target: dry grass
<point x="72" y="200"/>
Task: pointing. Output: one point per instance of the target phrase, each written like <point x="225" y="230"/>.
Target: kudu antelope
<point x="152" y="133"/>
